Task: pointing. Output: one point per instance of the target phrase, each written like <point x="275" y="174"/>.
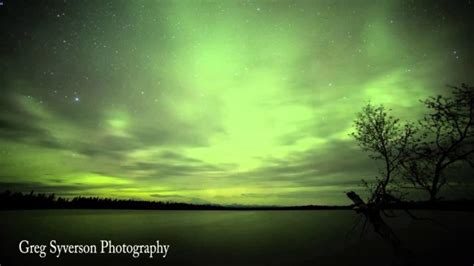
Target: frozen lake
<point x="235" y="237"/>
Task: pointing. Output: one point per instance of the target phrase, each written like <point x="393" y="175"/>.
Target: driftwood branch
<point x="372" y="213"/>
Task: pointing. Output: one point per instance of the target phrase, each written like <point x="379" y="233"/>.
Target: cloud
<point x="258" y="104"/>
<point x="317" y="166"/>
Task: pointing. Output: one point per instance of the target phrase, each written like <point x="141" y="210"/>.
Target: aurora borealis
<point x="229" y="102"/>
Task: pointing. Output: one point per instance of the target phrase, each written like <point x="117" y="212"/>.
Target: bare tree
<point x="421" y="155"/>
<point x="446" y="139"/>
<point x="387" y="141"/>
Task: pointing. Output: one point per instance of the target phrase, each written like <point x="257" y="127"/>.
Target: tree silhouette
<point x="446" y="139"/>
<point x="420" y="155"/>
<point x="386" y="140"/>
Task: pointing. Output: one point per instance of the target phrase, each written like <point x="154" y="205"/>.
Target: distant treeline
<point x="449" y="205"/>
<point x="17" y="200"/>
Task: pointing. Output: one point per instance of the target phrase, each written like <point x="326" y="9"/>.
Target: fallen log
<point x="372" y="215"/>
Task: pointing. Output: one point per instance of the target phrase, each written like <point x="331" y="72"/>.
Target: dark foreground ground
<point x="237" y="237"/>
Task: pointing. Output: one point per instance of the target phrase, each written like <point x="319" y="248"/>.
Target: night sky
<point x="245" y="102"/>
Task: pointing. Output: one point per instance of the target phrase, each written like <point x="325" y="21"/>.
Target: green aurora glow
<point x="213" y="101"/>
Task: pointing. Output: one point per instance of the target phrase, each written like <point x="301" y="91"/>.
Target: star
<point x="76" y="99"/>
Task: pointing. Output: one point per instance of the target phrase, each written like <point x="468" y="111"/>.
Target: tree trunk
<point x="433" y="194"/>
<point x="372" y="214"/>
